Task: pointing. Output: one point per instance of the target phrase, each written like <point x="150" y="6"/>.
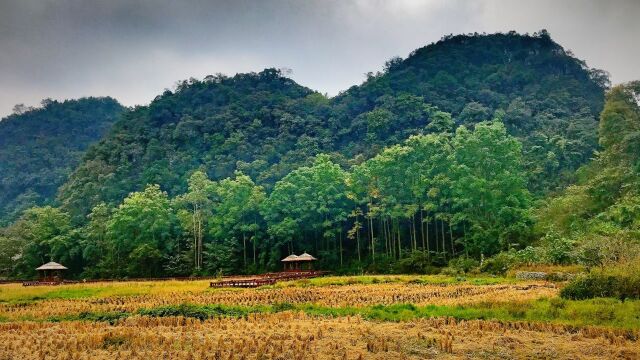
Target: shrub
<point x="500" y="263"/>
<point x="464" y="264"/>
<point x="558" y="249"/>
<point x="417" y="262"/>
<point x="449" y="271"/>
<point x="617" y="283"/>
<point x="530" y="255"/>
<point x="382" y="265"/>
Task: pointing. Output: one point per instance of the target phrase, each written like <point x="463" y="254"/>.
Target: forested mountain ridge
<point x="265" y="125"/>
<point x="440" y="159"/>
<point x="547" y="98"/>
<point x="40" y="147"/>
<point x="254" y="122"/>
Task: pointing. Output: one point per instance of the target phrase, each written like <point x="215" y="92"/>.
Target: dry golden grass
<point x="358" y="295"/>
<point x="26" y="331"/>
<point x="290" y="335"/>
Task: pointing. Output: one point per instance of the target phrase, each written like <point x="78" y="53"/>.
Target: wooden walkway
<point x="38" y="283"/>
<point x="266" y="279"/>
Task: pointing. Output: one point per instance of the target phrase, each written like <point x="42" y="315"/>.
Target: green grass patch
<point x="202" y="312"/>
<point x="110" y="317"/>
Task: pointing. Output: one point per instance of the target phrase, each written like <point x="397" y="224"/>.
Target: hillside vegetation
<point x="40" y="147"/>
<point x="445" y="158"/>
<point x="266" y="125"/>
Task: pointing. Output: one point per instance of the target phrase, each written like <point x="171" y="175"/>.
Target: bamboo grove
<point x="438" y="195"/>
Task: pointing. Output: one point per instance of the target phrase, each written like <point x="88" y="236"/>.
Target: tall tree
<point x="307" y="205"/>
<point x="42" y="234"/>
<point x="139" y="231"/>
<point x="236" y="220"/>
<point x="195" y="209"/>
<point x="489" y="187"/>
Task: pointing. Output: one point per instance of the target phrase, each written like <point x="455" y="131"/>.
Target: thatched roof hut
<point x="306" y="257"/>
<point x="290" y="258"/>
<point x="51" y="271"/>
<point x="52" y="266"/>
<point x="293" y="262"/>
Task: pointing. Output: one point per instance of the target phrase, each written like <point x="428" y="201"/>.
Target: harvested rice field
<point x="366" y="317"/>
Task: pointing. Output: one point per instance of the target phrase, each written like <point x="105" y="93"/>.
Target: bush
<point x="500" y="263"/>
<point x="616" y="284"/>
<point x="382" y="265"/>
<point x="558" y="249"/>
<point x="464" y="264"/>
<point x="417" y="262"/>
<point x="531" y="255"/>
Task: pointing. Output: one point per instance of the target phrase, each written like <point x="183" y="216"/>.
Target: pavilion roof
<point x="292" y="257"/>
<point x="52" y="266"/>
<point x="306" y="257"/>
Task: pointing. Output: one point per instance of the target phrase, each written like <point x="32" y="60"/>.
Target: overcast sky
<point x="132" y="50"/>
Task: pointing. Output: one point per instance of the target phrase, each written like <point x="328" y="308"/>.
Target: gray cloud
<point x="132" y="50"/>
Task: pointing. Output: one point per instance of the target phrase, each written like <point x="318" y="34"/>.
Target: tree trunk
<point x="453" y="249"/>
<point x="255" y="238"/>
<point x="435" y="227"/>
<point x="244" y="250"/>
<point x="415" y="238"/>
<point x="373" y="245"/>
<point x="428" y="245"/>
<point x="358" y="237"/>
<point x="444" y="248"/>
<point x="422" y="229"/>
<point x="399" y="240"/>
<point x="340" y="243"/>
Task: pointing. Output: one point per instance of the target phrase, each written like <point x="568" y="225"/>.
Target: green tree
<point x="236" y="219"/>
<point x="195" y="209"/>
<point x="95" y="240"/>
<point x="42" y="234"/>
<point x="308" y="203"/>
<point x="489" y="187"/>
<point x="141" y="227"/>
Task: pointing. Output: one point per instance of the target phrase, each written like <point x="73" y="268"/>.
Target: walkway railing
<point x="266" y="279"/>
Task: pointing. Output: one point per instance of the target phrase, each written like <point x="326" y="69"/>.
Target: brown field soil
<point x="291" y="335"/>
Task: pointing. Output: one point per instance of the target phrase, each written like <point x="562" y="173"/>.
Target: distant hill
<point x="266" y="125"/>
<point x="40" y="147"/>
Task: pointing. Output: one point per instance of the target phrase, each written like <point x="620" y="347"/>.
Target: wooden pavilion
<point x="294" y="262"/>
<point x="51" y="272"/>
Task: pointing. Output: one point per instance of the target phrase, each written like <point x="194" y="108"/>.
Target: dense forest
<point x="472" y="151"/>
<point x="40" y="147"/>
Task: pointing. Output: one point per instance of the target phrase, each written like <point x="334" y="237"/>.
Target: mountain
<point x="40" y="147"/>
<point x="266" y="125"/>
<point x="547" y="98"/>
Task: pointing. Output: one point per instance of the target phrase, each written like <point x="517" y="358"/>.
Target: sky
<point x="133" y="50"/>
